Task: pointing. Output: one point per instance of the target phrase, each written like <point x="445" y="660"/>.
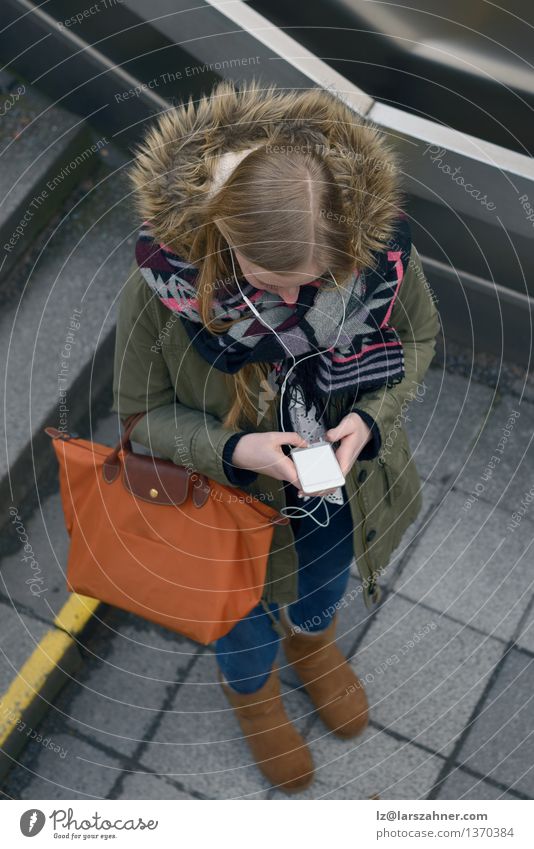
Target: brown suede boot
<point x="335" y="690"/>
<point x="278" y="748"/>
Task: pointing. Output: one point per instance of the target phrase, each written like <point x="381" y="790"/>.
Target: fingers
<point x="291" y="438"/>
<point x="343" y="456"/>
<point x="347" y="453"/>
<point x="346" y="426"/>
<point x="288" y="472"/>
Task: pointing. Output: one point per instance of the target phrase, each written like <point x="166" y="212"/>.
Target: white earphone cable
<point x="295" y="512"/>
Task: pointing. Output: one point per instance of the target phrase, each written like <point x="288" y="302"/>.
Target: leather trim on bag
<point x="165" y="483"/>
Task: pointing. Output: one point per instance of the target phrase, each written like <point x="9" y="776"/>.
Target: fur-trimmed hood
<point x="175" y="163"/>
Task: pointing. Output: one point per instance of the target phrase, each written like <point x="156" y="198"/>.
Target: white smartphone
<point x="317" y="468"/>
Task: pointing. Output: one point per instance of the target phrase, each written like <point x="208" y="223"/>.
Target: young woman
<point x="292" y="200"/>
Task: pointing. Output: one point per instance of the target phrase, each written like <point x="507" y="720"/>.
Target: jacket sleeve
<point x="370" y="449"/>
<point x="416" y="320"/>
<point x="141" y="381"/>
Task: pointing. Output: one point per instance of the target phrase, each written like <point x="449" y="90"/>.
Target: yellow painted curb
<point x="30" y="680"/>
<point x="39" y="668"/>
<point x="76" y="612"/>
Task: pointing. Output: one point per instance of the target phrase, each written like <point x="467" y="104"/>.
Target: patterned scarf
<point x="367" y="355"/>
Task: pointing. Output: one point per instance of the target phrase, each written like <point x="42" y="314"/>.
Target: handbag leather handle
<point x="129" y="424"/>
<point x="111" y="467"/>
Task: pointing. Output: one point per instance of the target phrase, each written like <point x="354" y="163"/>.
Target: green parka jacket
<point x="157" y="370"/>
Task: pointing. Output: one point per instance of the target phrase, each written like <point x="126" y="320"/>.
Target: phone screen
<point x="317" y="468"/>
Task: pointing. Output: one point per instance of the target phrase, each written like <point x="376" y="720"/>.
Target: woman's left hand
<point x="353" y="434"/>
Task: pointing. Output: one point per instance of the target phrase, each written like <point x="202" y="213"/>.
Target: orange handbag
<point x="146" y="535"/>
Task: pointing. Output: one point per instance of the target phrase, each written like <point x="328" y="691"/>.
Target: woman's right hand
<point x="262" y="453"/>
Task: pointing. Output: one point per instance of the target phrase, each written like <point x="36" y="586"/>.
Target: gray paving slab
<point x="500" y="742"/>
<point x="461" y="785"/>
<point x="146" y="785"/>
<point x="442" y="426"/>
<point x="468" y="565"/>
<point x="36" y="580"/>
<point x="19" y="636"/>
<point x="373" y="764"/>
<point x="425" y="691"/>
<point x="62" y="767"/>
<point x="199" y="741"/>
<point x="507" y="478"/>
<point x="123" y="685"/>
<point x="525" y="637"/>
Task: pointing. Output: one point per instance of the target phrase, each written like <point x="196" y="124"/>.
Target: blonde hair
<point x="280" y="210"/>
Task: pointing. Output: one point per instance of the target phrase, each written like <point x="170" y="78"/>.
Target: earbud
<point x="291" y="512"/>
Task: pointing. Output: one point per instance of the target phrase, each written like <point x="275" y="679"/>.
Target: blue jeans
<point x="246" y="654"/>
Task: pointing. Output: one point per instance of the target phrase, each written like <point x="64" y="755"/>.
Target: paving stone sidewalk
<point x="446" y="658"/>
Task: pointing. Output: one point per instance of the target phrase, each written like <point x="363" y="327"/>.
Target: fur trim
<point x="174" y="163"/>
